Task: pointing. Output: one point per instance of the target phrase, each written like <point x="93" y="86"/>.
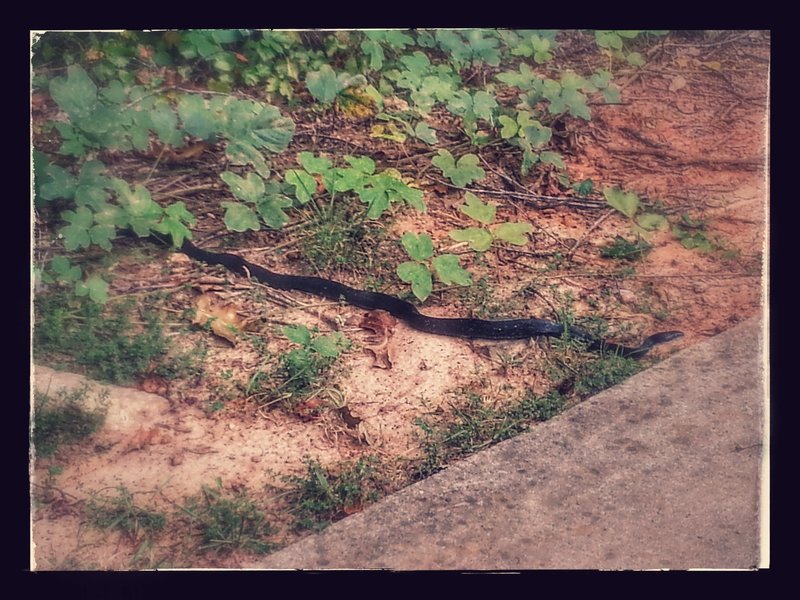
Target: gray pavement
<point x="660" y="472"/>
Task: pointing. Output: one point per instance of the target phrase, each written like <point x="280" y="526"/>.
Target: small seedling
<point x="481" y="238"/>
<point x="418" y="273"/>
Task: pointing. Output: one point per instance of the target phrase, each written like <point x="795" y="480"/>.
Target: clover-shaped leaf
<point x="625" y="202"/>
<point x="478" y="239"/>
<point x="418" y="247"/>
<point x="271" y="210"/>
<point x="240" y="217"/>
<point x="480" y="211"/>
<point x="449" y="271"/>
<point x="513" y="233"/>
<point x="249" y="188"/>
<point x="418" y="276"/>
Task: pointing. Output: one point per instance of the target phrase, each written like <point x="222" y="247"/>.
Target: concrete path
<point x="662" y="471"/>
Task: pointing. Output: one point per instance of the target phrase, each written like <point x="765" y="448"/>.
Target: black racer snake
<point x="511" y="329"/>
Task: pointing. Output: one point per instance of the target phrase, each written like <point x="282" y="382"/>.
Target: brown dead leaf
<point x="224" y="317"/>
<point x="382" y="325"/>
<point x="678" y="83"/>
<point x="308" y="410"/>
<point x="146" y="437"/>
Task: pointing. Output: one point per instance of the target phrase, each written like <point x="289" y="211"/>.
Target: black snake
<point x="511" y="329"/>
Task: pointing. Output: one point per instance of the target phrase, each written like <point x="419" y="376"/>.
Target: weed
<point x="622" y="249"/>
<point x="106" y="342"/>
<point x="123" y="514"/>
<point x="64" y="420"/>
<point x="473" y="425"/>
<point x="586" y="374"/>
<point x="321" y="497"/>
<point x="229" y="522"/>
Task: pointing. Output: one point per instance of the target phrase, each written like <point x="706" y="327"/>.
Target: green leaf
<point x="510" y="127"/>
<point x="481" y="212"/>
<point x="461" y="173"/>
<point x="478" y="239"/>
<point x="483" y="105"/>
<point x="362" y="164"/>
<point x="102" y="235"/>
<point x="635" y="59"/>
<point x="270" y="130"/>
<point x="426" y="133"/>
<point x="165" y="125"/>
<point x="330" y="345"/>
<point x="418" y="276"/>
<point x="611" y="95"/>
<point x="94" y="287"/>
<point x="537" y="134"/>
<point x="244" y="153"/>
<point x="75" y="94"/>
<point x="56" y="183"/>
<point x="175" y="229"/>
<point x="299" y="334"/>
<point x="418" y="247"/>
<point x="271" y="210"/>
<point x="529" y="159"/>
<point x="625" y="202"/>
<point x="305" y="186"/>
<point x="524" y="80"/>
<point x="314" y="164"/>
<point x="513" y="233"/>
<point x="449" y="271"/>
<point x="65" y="271"/>
<point x="651" y="221"/>
<point x="324" y="84"/>
<point x="197" y="119"/>
<point x="553" y="158"/>
<point x="250" y="188"/>
<point x="240" y="217"/>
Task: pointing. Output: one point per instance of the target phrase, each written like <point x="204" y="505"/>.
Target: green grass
<point x="121" y="513"/>
<point x="473" y="424"/>
<point x="229" y="521"/>
<point x="106" y="341"/>
<point x="64" y="420"/>
<point x="322" y="496"/>
<point x="623" y="249"/>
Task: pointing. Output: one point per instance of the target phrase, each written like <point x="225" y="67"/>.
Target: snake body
<point x="510" y="329"/>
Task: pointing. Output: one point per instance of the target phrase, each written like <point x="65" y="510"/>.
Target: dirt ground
<point x="691" y="133"/>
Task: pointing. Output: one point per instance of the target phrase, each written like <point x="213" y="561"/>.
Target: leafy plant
<point x="628" y="204"/>
<point x="325" y="85"/>
<point x="417" y="271"/>
<point x="691" y="234"/>
<point x="322" y="496"/>
<point x="461" y="173"/>
<point x="65" y="419"/>
<point x="481" y="238"/>
<point x="623" y="249"/>
<point x="613" y="42"/>
<point x="229" y="522"/>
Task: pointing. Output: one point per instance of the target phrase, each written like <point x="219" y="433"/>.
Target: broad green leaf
<point x="377" y="198"/>
<point x="81" y="217"/>
<point x="272" y="131"/>
<point x="250" y="188"/>
<point x="114" y="92"/>
<point x="95" y="287"/>
<point x="625" y="202"/>
<point x="299" y="334"/>
<point x="178" y="210"/>
<point x="197" y="119"/>
<point x="75" y="237"/>
<point x="331" y="345"/>
<point x="323" y="84"/>
<point x="375" y="52"/>
<point x="635" y="59"/>
<point x="65" y="271"/>
<point x="345" y="180"/>
<point x="388" y="131"/>
<point x="529" y="159"/>
<point x="240" y="217"/>
<point x="608" y="39"/>
<point x="174" y="228"/>
<point x="611" y="95"/>
<point x="483" y="105"/>
<point x="426" y="133"/>
<point x="244" y="153"/>
<point x="271" y="210"/>
<point x="601" y="78"/>
<point x="314" y="164"/>
<point x="416" y="62"/>
<point x="418" y="247"/>
<point x="651" y="221"/>
<point x="513" y="233"/>
<point x="363" y="164"/>
<point x="56" y="183"/>
<point x="449" y="271"/>
<point x="537" y="134"/>
<point x="75" y="94"/>
<point x="304" y="184"/>
<point x="418" y="276"/>
<point x="509" y="127"/>
<point x="478" y="239"/>
<point x="102" y="236"/>
<point x="525" y="79"/>
<point x="480" y="211"/>
<point x="165" y="125"/>
<point x="553" y="158"/>
<point x="461" y="173"/>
